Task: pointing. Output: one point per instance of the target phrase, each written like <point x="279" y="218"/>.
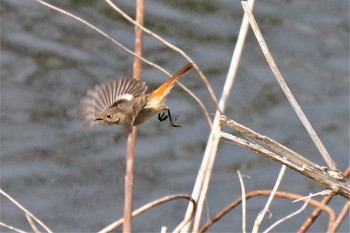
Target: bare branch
<point x="32" y="224"/>
<point x="286" y="90"/>
<point x="307" y="224"/>
<point x="150" y="206"/>
<point x="261" y="215"/>
<point x="25" y="210"/>
<point x="291" y="196"/>
<point x="341" y="217"/>
<point x="322" y="177"/>
<point x="205" y="171"/>
<point x="244" y="205"/>
<point x="295" y="213"/>
<point x="11" y="228"/>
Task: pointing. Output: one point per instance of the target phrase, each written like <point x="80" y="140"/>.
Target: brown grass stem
<point x="278" y="194"/>
<point x="151" y="205"/>
<point x="130" y="155"/>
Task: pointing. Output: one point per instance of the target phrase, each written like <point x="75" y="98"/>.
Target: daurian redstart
<point x="124" y="102"/>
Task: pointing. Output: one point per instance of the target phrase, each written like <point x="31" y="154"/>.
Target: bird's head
<point x="110" y="116"/>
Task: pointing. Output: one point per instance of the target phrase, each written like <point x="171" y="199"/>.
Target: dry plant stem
<point x="149" y="206"/>
<point x="341" y="216"/>
<point x="137" y="68"/>
<point x="244" y="205"/>
<point x="32" y="224"/>
<point x="98" y="31"/>
<point x="204" y="173"/>
<point x="325" y="192"/>
<point x="129" y="181"/>
<point x="199" y="102"/>
<point x="12" y="228"/>
<point x="295" y="213"/>
<point x="291" y="196"/>
<point x="275" y="146"/>
<point x="307" y="224"/>
<point x="102" y="33"/>
<point x="261" y="215"/>
<point x="130" y="154"/>
<point x="323" y="178"/>
<point x="286" y="90"/>
<point x="25" y="211"/>
<point x="295" y="160"/>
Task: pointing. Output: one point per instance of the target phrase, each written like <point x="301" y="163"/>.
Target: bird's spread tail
<point x="164" y="90"/>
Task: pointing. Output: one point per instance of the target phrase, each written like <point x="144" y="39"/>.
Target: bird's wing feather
<point x="107" y="95"/>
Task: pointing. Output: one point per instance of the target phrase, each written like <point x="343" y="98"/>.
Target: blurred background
<point x="72" y="178"/>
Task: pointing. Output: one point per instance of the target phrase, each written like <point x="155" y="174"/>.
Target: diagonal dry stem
<point x="295" y="213"/>
<point x="286" y="90"/>
<point x="322" y="177"/>
<point x="278" y="194"/>
<point x="151" y="205"/>
<point x="25" y="211"/>
<point x="261" y="215"/>
<point x="12" y="228"/>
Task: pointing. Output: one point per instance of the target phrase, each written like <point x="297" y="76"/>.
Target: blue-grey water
<point x="72" y="178"/>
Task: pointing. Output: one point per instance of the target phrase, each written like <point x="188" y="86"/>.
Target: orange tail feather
<point x="165" y="88"/>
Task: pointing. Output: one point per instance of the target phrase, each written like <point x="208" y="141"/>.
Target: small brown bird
<point x="124" y="102"/>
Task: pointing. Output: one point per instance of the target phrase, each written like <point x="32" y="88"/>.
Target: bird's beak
<point x="98" y="119"/>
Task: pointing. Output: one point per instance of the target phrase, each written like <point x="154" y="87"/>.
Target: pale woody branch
<point x="283" y="155"/>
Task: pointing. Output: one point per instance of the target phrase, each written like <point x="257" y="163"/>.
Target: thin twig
<point x="295" y="213"/>
<point x="25" y="210"/>
<point x="11" y="228"/>
<point x="323" y="193"/>
<point x="261" y="215"/>
<point x="307" y="224"/>
<point x="32" y="224"/>
<point x="186" y="220"/>
<point x="341" y="217"/>
<point x="244" y="203"/>
<point x="204" y="174"/>
<point x="149" y="206"/>
<point x="64" y="12"/>
<point x="291" y="196"/>
<point x="286" y="90"/>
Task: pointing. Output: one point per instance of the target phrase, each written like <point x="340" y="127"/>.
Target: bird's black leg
<point x="163" y="117"/>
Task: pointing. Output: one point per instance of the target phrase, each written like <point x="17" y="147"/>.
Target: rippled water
<point x="72" y="178"/>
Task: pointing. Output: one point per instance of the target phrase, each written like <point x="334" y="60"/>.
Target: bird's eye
<point x="109" y="116"/>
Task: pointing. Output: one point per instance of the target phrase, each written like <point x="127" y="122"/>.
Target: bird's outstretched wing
<point x="108" y="95"/>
